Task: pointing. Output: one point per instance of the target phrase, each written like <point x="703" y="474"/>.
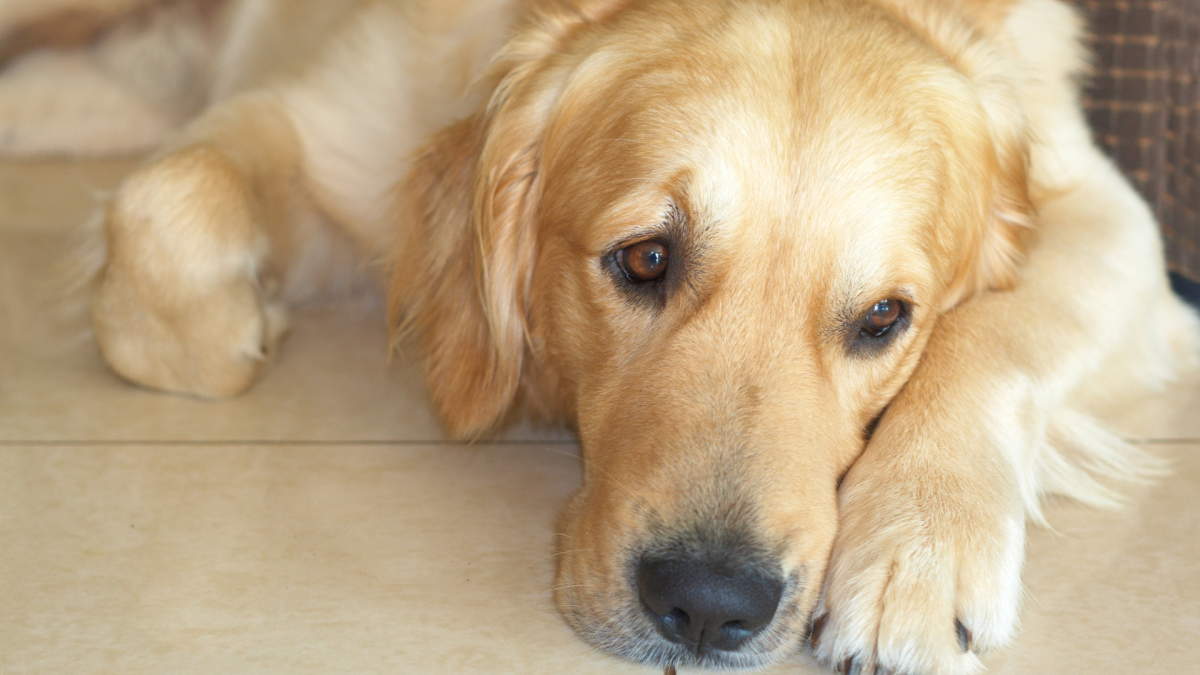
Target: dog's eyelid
<point x="667" y="231"/>
<point x="856" y="305"/>
<point x="642" y="239"/>
<point x="613" y="251"/>
<point x="904" y="295"/>
<point x="669" y="228"/>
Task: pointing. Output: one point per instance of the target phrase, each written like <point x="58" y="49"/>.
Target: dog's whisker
<point x="593" y="465"/>
<point x="559" y="554"/>
<point x="566" y="586"/>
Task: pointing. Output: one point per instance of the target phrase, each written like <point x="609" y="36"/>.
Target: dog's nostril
<point x="702" y="607"/>
<point x="675" y="622"/>
<point x="678" y="617"/>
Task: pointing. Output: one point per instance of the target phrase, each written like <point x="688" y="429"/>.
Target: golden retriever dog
<point x="833" y="291"/>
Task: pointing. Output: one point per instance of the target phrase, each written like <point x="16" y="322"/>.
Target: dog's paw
<point x="180" y="305"/>
<point x="925" y="572"/>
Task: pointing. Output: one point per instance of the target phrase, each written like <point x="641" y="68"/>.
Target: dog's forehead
<point x="753" y="131"/>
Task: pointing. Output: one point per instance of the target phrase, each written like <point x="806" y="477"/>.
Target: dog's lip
<point x="679" y="654"/>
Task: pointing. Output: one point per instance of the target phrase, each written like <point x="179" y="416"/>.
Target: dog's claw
<point x="965" y="639"/>
<point x="814" y="632"/>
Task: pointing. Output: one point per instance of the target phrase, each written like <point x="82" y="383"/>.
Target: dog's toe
<point x="903" y="623"/>
<point x="908" y="592"/>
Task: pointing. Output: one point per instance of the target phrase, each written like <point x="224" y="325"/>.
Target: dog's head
<point x="715" y="236"/>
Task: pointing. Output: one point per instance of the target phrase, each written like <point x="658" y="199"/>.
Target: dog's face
<point x="715" y="236"/>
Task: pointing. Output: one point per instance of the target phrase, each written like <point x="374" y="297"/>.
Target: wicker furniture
<point x="1144" y="106"/>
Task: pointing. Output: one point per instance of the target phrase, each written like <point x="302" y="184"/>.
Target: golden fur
<point x="805" y="159"/>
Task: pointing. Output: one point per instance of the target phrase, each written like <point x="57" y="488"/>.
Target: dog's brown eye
<point x="644" y="261"/>
<point x="881" y="317"/>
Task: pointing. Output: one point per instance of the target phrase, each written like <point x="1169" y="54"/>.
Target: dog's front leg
<point x="925" y="571"/>
<point x="185" y="301"/>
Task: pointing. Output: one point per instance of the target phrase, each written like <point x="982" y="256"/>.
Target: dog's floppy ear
<point x="995" y="255"/>
<point x="970" y="35"/>
<point x="462" y="273"/>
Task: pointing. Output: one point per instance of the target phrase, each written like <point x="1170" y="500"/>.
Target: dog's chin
<point x="627" y="631"/>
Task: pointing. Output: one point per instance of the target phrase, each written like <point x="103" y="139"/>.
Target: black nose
<point x="703" y="607"/>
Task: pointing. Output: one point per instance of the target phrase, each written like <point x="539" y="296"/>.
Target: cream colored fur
<point x="19" y="12"/>
<point x="1040" y="297"/>
<point x="126" y="89"/>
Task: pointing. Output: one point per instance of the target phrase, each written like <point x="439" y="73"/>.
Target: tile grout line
<point x="392" y="442"/>
<point x="221" y="443"/>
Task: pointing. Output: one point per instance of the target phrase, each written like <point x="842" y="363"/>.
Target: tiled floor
<point x="319" y="525"/>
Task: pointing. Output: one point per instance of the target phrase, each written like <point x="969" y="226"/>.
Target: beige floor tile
<point x="283" y="560"/>
<point x="422" y="559"/>
<point x="55" y="195"/>
<point x="1173" y="414"/>
<point x="1116" y="593"/>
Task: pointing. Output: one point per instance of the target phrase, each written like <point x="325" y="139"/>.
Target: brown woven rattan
<point x="1143" y="103"/>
